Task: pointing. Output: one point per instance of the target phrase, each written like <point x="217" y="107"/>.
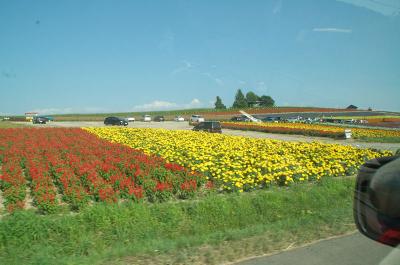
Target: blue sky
<point x="112" y="56"/>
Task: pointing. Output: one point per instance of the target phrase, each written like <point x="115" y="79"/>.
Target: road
<point x="353" y="249"/>
<point x="171" y="125"/>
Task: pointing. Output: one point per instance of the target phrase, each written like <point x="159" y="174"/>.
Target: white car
<point x="196" y="119"/>
<point x="130" y="119"/>
<point x="179" y="118"/>
<point x="146" y="118"/>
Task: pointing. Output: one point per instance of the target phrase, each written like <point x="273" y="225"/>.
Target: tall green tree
<point x="267" y="101"/>
<point x="240" y="100"/>
<point x="252" y="98"/>
<point x="219" y="104"/>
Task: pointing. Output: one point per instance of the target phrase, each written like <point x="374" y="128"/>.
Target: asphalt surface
<point x="171" y="125"/>
<point x="353" y="249"/>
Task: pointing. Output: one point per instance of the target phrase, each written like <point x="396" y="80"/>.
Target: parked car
<point x="39" y="120"/>
<point x="208" y="126"/>
<point x="159" y="118"/>
<point x="146" y="118"/>
<point x="293" y="120"/>
<point x="240" y="118"/>
<point x="179" y="118"/>
<point x="376" y="201"/>
<point x="49" y="118"/>
<point x="115" y="121"/>
<point x="272" y="119"/>
<point x="195" y="119"/>
<point x="130" y="119"/>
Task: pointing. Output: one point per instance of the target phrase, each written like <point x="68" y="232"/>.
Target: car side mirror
<point x="377" y="200"/>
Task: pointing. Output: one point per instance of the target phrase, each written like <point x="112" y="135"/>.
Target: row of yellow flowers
<point x="241" y="163"/>
<point x="313" y="129"/>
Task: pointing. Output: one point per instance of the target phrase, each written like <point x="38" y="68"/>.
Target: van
<point x="208" y="126"/>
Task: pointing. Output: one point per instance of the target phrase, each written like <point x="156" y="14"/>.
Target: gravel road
<point x="171" y="125"/>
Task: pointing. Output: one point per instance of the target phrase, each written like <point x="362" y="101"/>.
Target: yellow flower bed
<point x="374" y="133"/>
<point x="240" y="163"/>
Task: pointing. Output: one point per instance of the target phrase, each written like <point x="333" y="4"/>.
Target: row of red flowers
<point x="82" y="168"/>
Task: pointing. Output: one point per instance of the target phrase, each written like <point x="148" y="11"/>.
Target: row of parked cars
<point x="145" y="118"/>
<point x="194" y="119"/>
<point x="198" y="121"/>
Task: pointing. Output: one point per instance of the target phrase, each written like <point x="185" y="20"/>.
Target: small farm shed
<point x="352" y="107"/>
<point x="29" y="115"/>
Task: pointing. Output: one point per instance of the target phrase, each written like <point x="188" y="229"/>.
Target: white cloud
<point x="195" y="103"/>
<point x="301" y="35"/>
<point x="217" y="80"/>
<point x="207" y="74"/>
<point x="384" y="7"/>
<point x="156" y="105"/>
<point x="68" y="110"/>
<point x="335" y="30"/>
<point x="167" y="42"/>
<point x="166" y="105"/>
<point x="277" y="7"/>
<point x="261" y="87"/>
<point x="187" y="66"/>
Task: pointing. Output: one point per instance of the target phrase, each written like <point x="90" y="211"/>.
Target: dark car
<point x="39" y="120"/>
<point x="159" y="118"/>
<point x="377" y="200"/>
<point x="115" y="121"/>
<point x="240" y="118"/>
<point x="49" y="118"/>
<point x="208" y="126"/>
<point x="272" y="119"/>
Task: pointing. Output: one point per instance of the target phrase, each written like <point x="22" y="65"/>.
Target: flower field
<point x="242" y="164"/>
<point x="312" y="129"/>
<point x="57" y="166"/>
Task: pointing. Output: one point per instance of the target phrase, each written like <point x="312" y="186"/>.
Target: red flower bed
<point x="81" y="167"/>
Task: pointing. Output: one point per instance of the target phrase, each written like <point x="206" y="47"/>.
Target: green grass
<point x="7" y="124"/>
<point x="213" y="229"/>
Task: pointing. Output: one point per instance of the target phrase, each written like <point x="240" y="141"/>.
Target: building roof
<point x="352" y="107"/>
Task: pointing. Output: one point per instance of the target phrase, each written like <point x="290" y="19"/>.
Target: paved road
<point x="171" y="125"/>
<point x="354" y="249"/>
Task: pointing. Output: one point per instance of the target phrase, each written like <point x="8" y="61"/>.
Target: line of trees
<point x="251" y="100"/>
